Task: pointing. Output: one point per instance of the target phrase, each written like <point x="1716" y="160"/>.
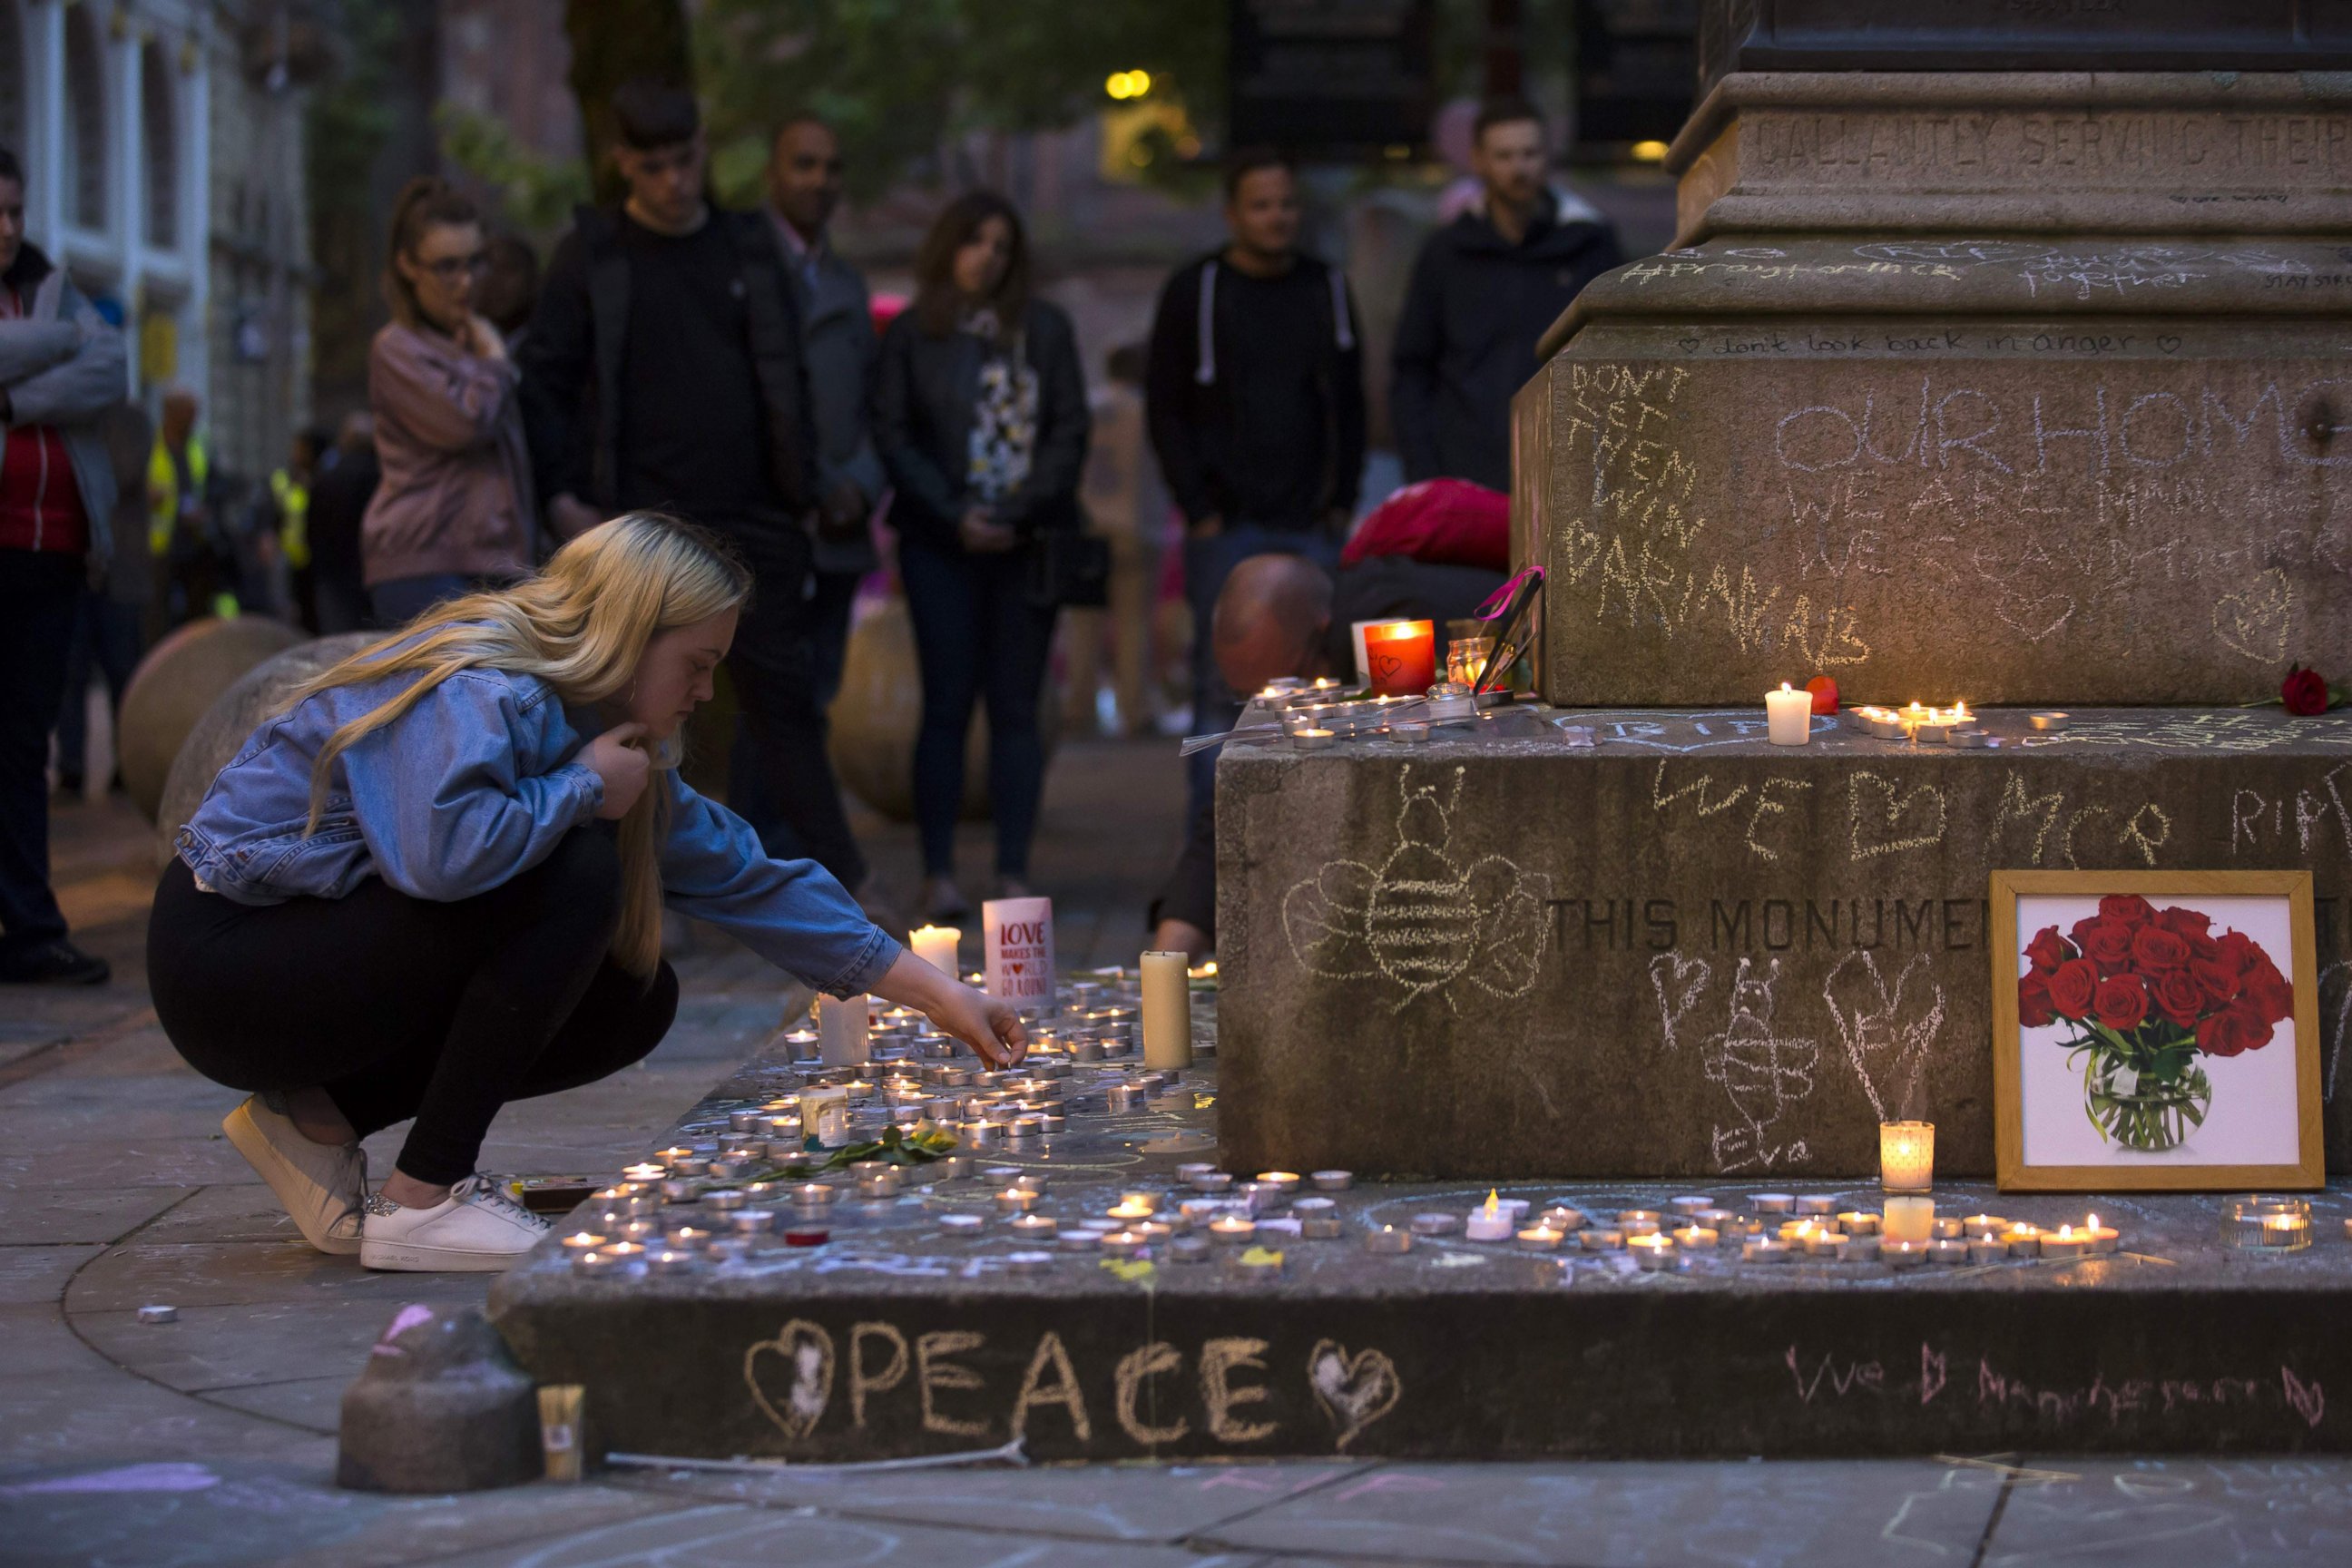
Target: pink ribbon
<point x="1500" y="599"/>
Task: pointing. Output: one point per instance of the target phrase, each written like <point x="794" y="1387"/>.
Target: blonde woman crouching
<point x="422" y="889"/>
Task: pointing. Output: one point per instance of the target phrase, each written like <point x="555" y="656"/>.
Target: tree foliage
<point x="901" y="81"/>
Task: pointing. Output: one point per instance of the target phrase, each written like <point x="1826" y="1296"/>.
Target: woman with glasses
<point x="453" y="514"/>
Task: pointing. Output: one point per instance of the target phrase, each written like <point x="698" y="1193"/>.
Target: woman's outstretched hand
<point x="988" y="1025"/>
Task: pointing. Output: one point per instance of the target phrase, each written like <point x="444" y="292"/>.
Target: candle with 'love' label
<point x="1018" y="936"/>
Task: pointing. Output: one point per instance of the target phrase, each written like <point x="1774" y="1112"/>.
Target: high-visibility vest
<point x="293" y="499"/>
<point x="163" y="490"/>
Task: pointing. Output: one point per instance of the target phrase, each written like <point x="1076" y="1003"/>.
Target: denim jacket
<point x="475" y="784"/>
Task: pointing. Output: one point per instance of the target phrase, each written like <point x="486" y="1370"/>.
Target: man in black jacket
<point x="663" y="371"/>
<point x="1254" y="390"/>
<point x="1484" y="291"/>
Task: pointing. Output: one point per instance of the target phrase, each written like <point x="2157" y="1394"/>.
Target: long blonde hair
<point x="582" y="626"/>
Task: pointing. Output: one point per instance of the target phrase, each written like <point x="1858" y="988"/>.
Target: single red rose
<point x="2033" y="1009"/>
<point x="2251" y="1029"/>
<point x="2121" y="1002"/>
<point x="2128" y="908"/>
<point x="2235" y="949"/>
<point x="2107" y="943"/>
<point x="2072" y="987"/>
<point x="2215" y="978"/>
<point x="2218" y="1035"/>
<point x="1824" y="693"/>
<point x="2156" y="950"/>
<point x="2303" y="691"/>
<point x="2266" y="991"/>
<point x="2048" y="950"/>
<point x="2179" y="997"/>
<point x="2193" y="924"/>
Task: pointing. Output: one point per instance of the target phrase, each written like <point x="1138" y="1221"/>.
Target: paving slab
<point x="719" y="1536"/>
<point x="1764" y="1515"/>
<point x="1169" y="1503"/>
<point x="234" y="1346"/>
<point x="47" y="1211"/>
<point x="206" y="1514"/>
<point x="240" y="1273"/>
<point x="316" y="1403"/>
<point x="37" y="1274"/>
<point x="227" y="1211"/>
<point x="2255" y="1513"/>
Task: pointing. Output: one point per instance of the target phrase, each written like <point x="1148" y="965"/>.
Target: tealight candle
<point x="1948" y="1250"/>
<point x="1434" y="1224"/>
<point x="1311" y="740"/>
<point x="1774" y="1202"/>
<point x="1388" y="1241"/>
<point x="1903" y="1254"/>
<point x="1127" y="1213"/>
<point x="1907" y="1156"/>
<point x="1824" y="1243"/>
<point x="1652" y="1253"/>
<point x="1909" y="1219"/>
<point x="1333" y="1181"/>
<point x="1489" y="1222"/>
<point x="1816" y="1205"/>
<point x="647" y="1172"/>
<point x="1146" y="1201"/>
<point x="1983" y="1225"/>
<point x="1788" y="716"/>
<point x="1599" y="1240"/>
<point x="2102" y="1237"/>
<point x="1034" y="1227"/>
<point x="1987" y="1249"/>
<point x="2066" y="1243"/>
<point x="667" y="1261"/>
<point x="1690" y="1205"/>
<point x="2024" y="1240"/>
<point x="671" y="1155"/>
<point x="1764" y="1250"/>
<point x="1944" y="1228"/>
<point x="1858" y="1222"/>
<point x="1633" y="1228"/>
<point x="1561" y="1218"/>
<point x="1691" y="1237"/>
<point x="593" y="1263"/>
<point x="1122" y="1243"/>
<point x="622" y="1251"/>
<point x="1859" y="1249"/>
<point x="1015" y="1201"/>
<point x="1284" y="1183"/>
<point x="581" y="1241"/>
<point x="684" y="1238"/>
<point x="1626" y="1217"/>
<point x="1232" y="1227"/>
<point x="1539" y="1238"/>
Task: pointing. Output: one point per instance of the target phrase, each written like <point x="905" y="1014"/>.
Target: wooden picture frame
<point x="2131" y="1122"/>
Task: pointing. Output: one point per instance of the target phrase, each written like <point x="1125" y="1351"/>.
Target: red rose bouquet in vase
<point x="2145" y="995"/>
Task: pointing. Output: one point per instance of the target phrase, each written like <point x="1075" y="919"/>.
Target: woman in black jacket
<point x="980" y="418"/>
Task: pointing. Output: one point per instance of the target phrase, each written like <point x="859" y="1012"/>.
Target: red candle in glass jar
<point x="1402" y="658"/>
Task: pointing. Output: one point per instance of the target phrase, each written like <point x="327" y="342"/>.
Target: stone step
<point x="899" y="1337"/>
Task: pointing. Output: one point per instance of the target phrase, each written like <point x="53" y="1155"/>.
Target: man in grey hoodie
<point x="62" y="368"/>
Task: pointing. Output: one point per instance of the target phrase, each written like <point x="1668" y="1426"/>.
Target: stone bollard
<point x="181" y="677"/>
<point x="439" y="1408"/>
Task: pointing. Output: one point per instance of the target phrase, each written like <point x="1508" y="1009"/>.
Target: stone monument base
<point x="1687" y="953"/>
<point x="899" y="1336"/>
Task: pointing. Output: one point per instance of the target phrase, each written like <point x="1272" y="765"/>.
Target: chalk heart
<point x="2034" y="616"/>
<point x="2169" y="342"/>
<point x="1886" y="819"/>
<point x="1353" y="1389"/>
<point x="2252" y="621"/>
<point x="1680" y="983"/>
<point x="790" y="1377"/>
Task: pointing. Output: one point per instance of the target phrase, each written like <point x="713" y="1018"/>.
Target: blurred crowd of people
<point x="732" y="368"/>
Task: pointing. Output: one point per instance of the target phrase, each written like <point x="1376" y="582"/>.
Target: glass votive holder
<point x="1907" y="1156"/>
<point x="2268" y="1223"/>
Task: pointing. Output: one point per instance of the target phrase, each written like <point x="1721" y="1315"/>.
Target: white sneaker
<point x="323" y="1186"/>
<point x="475" y="1227"/>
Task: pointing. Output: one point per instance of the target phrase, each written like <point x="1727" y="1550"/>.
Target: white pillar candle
<point x="936" y="945"/>
<point x="1788" y="716"/>
<point x="1910" y="1219"/>
<point x="842" y="1030"/>
<point x="1018" y="937"/>
<point x="1167" y="1012"/>
<point x="1907" y="1156"/>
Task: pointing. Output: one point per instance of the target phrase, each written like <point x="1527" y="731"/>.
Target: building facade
<point x="162" y="159"/>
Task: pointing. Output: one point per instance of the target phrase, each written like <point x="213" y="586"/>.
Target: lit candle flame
<point x="1493" y="1201"/>
<point x="2065" y="1233"/>
<point x="1784" y="686"/>
<point x="2091" y="1223"/>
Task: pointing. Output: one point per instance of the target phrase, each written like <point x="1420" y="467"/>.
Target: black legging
<point x="400" y="1006"/>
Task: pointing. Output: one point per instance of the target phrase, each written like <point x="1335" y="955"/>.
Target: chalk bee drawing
<point x="1421" y="920"/>
<point x="1762" y="1071"/>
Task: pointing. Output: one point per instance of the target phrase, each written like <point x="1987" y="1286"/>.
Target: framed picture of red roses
<point x="2154" y="1030"/>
